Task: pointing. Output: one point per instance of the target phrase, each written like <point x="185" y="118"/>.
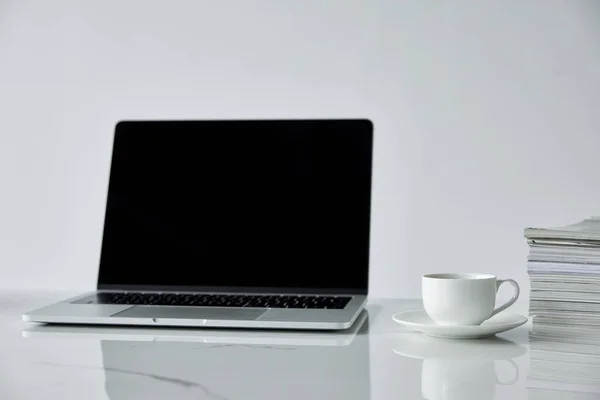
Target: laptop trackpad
<point x="190" y="313"/>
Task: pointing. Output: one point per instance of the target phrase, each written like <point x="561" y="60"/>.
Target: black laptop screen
<point x="269" y="204"/>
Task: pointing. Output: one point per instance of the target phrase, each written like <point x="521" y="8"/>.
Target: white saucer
<point x="419" y="321"/>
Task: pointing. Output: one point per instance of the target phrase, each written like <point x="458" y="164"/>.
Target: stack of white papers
<point x="564" y="271"/>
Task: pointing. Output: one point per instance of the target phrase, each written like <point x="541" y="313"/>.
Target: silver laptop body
<point x="238" y="224"/>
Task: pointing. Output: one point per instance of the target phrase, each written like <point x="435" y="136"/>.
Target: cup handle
<point x="514" y="298"/>
<point x="515" y="377"/>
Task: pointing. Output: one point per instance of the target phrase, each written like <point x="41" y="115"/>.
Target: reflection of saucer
<point x="418" y="320"/>
<point x="424" y="347"/>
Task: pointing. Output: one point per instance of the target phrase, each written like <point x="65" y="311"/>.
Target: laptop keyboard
<point x="223" y="300"/>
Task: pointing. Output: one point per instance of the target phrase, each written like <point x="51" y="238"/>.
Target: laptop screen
<point x="239" y="204"/>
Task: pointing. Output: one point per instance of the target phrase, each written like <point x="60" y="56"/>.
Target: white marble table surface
<point x="379" y="361"/>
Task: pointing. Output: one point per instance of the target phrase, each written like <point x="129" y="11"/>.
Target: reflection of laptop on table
<point x="256" y="224"/>
<point x="224" y="364"/>
<point x="170" y="370"/>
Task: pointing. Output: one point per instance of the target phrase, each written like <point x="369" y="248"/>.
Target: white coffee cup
<point x="455" y="299"/>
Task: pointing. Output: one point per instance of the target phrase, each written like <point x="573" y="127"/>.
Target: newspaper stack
<point x="564" y="272"/>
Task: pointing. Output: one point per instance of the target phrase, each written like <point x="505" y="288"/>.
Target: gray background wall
<point x="487" y="115"/>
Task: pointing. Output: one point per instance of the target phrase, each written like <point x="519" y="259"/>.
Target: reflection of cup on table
<point x="455" y="369"/>
<point x="462" y="379"/>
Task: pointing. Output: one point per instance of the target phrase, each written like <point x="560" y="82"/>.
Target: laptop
<point x="238" y="224"/>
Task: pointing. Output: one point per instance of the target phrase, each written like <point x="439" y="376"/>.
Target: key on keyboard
<point x="223" y="300"/>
